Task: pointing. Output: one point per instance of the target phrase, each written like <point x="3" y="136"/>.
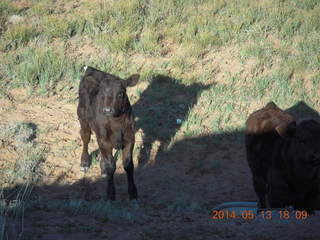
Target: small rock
<point x="15" y="19"/>
<point x="179" y="121"/>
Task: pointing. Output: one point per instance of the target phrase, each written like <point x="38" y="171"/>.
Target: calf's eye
<point x="120" y="95"/>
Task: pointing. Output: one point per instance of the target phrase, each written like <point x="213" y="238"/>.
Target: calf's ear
<point x="91" y="85"/>
<point x="271" y="105"/>
<point x="286" y="130"/>
<point x="131" y="81"/>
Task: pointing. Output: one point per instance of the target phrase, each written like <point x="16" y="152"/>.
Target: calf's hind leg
<point x="85" y="134"/>
<point x="129" y="168"/>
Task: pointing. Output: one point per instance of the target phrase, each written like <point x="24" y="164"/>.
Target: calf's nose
<point x="107" y="110"/>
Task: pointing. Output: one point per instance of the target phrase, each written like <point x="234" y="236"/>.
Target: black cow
<point x="284" y="158"/>
<point x="104" y="108"/>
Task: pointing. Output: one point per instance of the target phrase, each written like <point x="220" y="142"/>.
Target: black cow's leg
<point x="129" y="168"/>
<point x="306" y="197"/>
<point x="260" y="188"/>
<point x="277" y="198"/>
<point x="85" y="133"/>
<point x="259" y="176"/>
<point x="278" y="191"/>
<point x="107" y="166"/>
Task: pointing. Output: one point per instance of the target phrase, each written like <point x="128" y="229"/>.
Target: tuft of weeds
<point x="12" y="209"/>
<point x="306" y="5"/>
<point x="95" y="157"/>
<point x="18" y="35"/>
<point x="76" y="25"/>
<point x="290" y="28"/>
<point x="192" y="124"/>
<point x="262" y="50"/>
<point x="309" y="51"/>
<point x="282" y="90"/>
<point x="21" y="132"/>
<point x="20" y="136"/>
<point x="42" y="8"/>
<point x="6" y="9"/>
<point x="316" y="81"/>
<point x="25" y="169"/>
<point x="18" y="176"/>
<point x="35" y="68"/>
<point x="121" y="41"/>
<point x="149" y="42"/>
<point x="57" y="27"/>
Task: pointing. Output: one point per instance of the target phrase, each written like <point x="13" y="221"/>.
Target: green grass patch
<point x="20" y="136"/>
<point x="117" y="42"/>
<point x="18" y="35"/>
<point x="309" y="56"/>
<point x="21" y="133"/>
<point x="35" y="68"/>
<point x="58" y="27"/>
<point x="6" y="9"/>
<point x="27" y="164"/>
<point x="149" y="42"/>
<point x="261" y="49"/>
<point x="43" y="7"/>
<point x="18" y="176"/>
<point x="306" y="5"/>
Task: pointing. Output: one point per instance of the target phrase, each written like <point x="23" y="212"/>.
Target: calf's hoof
<point x="84" y="169"/>
<point x="111" y="197"/>
<point x="85" y="163"/>
<point x="133" y="194"/>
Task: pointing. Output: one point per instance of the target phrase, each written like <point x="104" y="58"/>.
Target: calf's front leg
<point x="85" y="133"/>
<point x="107" y="166"/>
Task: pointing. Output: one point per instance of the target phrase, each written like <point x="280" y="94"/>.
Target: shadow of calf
<point x="159" y="107"/>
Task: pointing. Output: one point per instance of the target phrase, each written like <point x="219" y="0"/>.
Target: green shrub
<point x="6" y="8"/>
<point x="20" y="34"/>
<point x="54" y="26"/>
<point x="306" y="4"/>
<point x="35" y="68"/>
<point x="43" y="7"/>
<point x="57" y="27"/>
<point x="149" y="42"/>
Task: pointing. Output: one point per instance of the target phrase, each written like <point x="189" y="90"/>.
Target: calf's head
<point x="306" y="139"/>
<point x="110" y="93"/>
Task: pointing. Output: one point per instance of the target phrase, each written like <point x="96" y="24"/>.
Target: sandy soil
<point x="177" y="187"/>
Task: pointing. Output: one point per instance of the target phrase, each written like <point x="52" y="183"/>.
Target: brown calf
<point x="104" y="108"/>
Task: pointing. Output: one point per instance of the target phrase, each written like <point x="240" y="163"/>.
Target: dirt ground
<point x="177" y="186"/>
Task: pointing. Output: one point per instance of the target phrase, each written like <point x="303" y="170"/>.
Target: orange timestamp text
<point x="265" y="214"/>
